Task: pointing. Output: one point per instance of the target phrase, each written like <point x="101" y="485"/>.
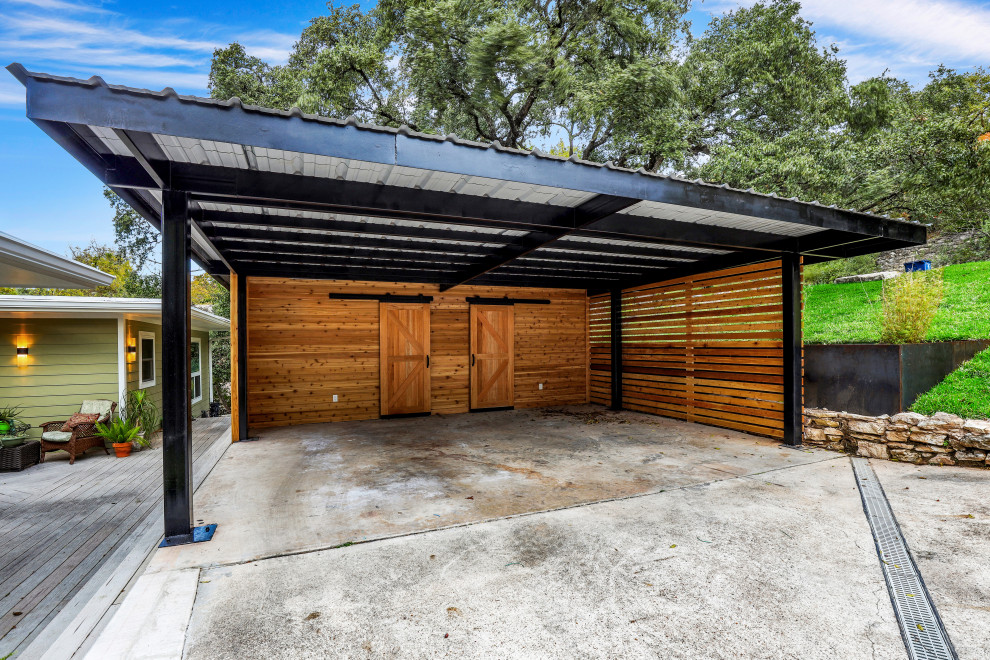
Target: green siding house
<point x="56" y="351"/>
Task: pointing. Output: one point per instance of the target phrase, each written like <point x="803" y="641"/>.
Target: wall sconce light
<point x="22" y="351"/>
<point x="131" y="349"/>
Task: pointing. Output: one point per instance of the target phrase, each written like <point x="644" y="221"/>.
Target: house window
<point x="146" y="359"/>
<point x="196" y="368"/>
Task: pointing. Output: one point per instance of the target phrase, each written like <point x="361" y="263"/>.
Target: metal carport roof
<point x="289" y="194"/>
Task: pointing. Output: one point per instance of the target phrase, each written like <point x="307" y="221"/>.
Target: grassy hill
<point x="850" y="313"/>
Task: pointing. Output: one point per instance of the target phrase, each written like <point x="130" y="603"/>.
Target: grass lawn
<point x="850" y="313"/>
<point x="964" y="392"/>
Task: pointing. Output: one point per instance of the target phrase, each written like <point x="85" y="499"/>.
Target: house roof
<point x="290" y="194"/>
<point x="29" y="266"/>
<point x="137" y="309"/>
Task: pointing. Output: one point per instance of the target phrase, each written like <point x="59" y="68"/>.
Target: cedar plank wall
<point x="706" y="348"/>
<point x="304" y="347"/>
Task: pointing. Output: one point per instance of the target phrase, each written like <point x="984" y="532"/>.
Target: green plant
<point x="964" y="392"/>
<point x="910" y="303"/>
<point x="137" y="407"/>
<point x="827" y="271"/>
<point x="9" y="414"/>
<point x="118" y="431"/>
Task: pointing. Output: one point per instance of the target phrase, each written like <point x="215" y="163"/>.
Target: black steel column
<point x="242" y="353"/>
<point x="176" y="335"/>
<point x="616" y="346"/>
<point x="793" y="343"/>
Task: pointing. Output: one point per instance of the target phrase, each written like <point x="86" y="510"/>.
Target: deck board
<point x="60" y="524"/>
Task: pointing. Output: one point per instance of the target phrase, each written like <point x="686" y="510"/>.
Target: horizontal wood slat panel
<point x="706" y="348"/>
<point x="304" y="347"/>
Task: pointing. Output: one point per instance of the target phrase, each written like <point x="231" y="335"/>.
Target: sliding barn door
<point x="405" y="358"/>
<point x="492" y="358"/>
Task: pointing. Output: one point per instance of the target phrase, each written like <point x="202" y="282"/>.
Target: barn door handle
<point x="472" y="359"/>
<point x="427" y="361"/>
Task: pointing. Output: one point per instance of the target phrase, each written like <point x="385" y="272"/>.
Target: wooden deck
<point x="69" y="531"/>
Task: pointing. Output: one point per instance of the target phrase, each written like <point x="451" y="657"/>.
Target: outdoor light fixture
<point x="131" y="349"/>
<point x="22" y="351"/>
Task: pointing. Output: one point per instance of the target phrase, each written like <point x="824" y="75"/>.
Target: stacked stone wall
<point x="941" y="439"/>
<point x="939" y="250"/>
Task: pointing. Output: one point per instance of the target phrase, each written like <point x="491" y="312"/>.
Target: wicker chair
<point x="82" y="437"/>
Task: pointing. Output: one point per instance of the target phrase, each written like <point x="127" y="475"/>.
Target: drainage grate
<point x="924" y="635"/>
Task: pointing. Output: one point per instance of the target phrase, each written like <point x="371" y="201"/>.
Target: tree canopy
<point x="753" y="101"/>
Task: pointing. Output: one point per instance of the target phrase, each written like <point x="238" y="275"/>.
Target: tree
<point x="134" y="236"/>
<point x="754" y="101"/>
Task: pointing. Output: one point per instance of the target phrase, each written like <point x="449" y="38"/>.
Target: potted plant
<point x="8" y="415"/>
<point x="120" y="433"/>
<point x="143" y="413"/>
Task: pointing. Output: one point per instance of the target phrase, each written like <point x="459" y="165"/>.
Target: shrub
<point x="910" y="303"/>
<point x="826" y="272"/>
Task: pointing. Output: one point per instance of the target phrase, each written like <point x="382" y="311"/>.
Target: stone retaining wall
<point x="941" y="439"/>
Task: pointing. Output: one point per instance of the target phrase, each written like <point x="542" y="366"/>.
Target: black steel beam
<point x="242" y="357"/>
<point x="793" y="345"/>
<point x="586" y="213"/>
<point x="311" y="253"/>
<point x="175" y="369"/>
<point x="219" y="223"/>
<point x="236" y="186"/>
<point x="384" y="297"/>
<point x="664" y="250"/>
<point x="229" y="239"/>
<point x="421" y="277"/>
<point x="615" y="346"/>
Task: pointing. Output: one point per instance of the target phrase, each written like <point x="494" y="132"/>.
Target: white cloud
<point x="86" y="39"/>
<point x="943" y="29"/>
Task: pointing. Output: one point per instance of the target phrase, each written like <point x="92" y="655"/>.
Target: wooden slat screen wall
<point x="706" y="348"/>
<point x="304" y="347"/>
<point x="600" y="341"/>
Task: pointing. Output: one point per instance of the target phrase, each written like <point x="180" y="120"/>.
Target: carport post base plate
<point x="199" y="534"/>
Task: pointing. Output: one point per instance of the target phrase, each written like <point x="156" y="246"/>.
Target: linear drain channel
<point x="922" y="629"/>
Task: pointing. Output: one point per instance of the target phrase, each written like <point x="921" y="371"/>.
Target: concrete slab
<point x="316" y="486"/>
<point x="151" y="623"/>
<point x="944" y="514"/>
<point x="776" y="565"/>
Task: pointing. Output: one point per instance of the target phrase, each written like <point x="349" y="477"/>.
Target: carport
<point x="382" y="272"/>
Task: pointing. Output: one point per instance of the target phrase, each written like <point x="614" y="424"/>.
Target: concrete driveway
<point x="768" y="559"/>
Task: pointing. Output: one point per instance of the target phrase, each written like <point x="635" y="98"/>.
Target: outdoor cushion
<point x="57" y="436"/>
<point x="99" y="406"/>
<point x="79" y="418"/>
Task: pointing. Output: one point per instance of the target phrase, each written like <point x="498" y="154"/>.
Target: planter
<point x="20" y="457"/>
<point x="122" y="449"/>
<point x="879" y="379"/>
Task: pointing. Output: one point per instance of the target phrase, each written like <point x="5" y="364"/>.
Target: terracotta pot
<point x="122" y="449"/>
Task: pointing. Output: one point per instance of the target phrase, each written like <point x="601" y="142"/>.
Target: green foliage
<point x="851" y="313"/>
<point x="827" y="271"/>
<point x="10" y="413"/>
<point x="964" y="392"/>
<point x="118" y="431"/>
<point x="136" y="240"/>
<point x="139" y="409"/>
<point x="910" y="303"/>
<point x="754" y="101"/>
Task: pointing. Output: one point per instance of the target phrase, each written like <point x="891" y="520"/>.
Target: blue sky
<point x="47" y="198"/>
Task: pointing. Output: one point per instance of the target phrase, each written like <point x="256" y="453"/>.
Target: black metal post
<point x="242" y="357"/>
<point x="176" y="335"/>
<point x="793" y="344"/>
<point x="616" y="346"/>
